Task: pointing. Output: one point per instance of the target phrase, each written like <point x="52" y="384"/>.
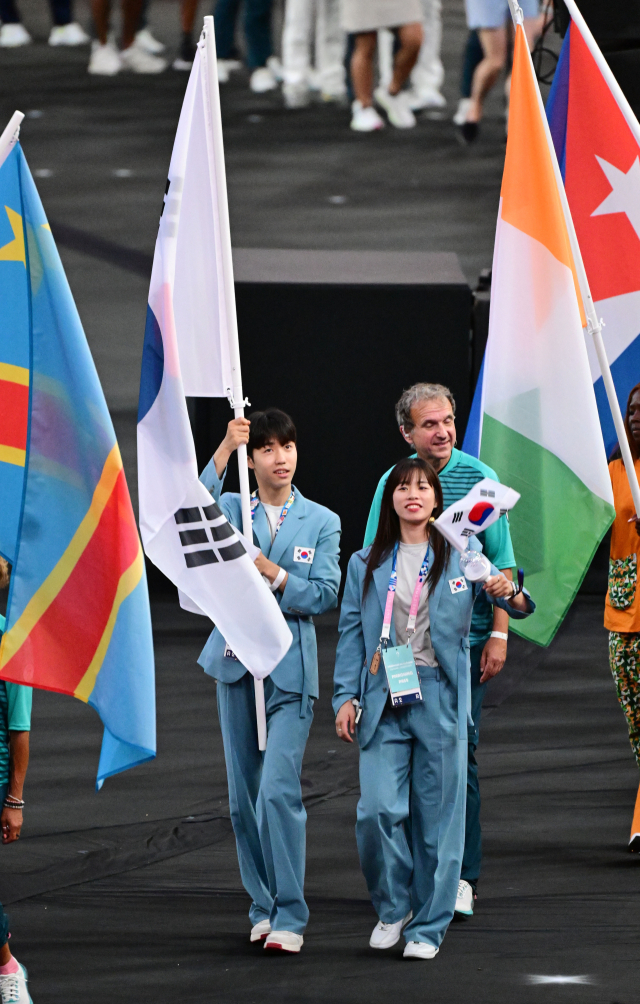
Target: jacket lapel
<point x="289" y="528"/>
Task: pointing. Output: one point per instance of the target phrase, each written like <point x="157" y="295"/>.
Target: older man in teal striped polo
<point x="426" y="417"/>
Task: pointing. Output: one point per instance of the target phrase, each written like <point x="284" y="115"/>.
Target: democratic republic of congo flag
<point x="534" y="418"/>
<point x="78" y="619"/>
<point x="597" y="140"/>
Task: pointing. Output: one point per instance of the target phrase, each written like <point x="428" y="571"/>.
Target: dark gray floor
<point x="134" y="893"/>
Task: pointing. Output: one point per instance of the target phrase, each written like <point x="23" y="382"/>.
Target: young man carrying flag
<point x="299" y="543"/>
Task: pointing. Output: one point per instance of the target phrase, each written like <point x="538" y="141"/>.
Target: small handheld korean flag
<point x="483" y="505"/>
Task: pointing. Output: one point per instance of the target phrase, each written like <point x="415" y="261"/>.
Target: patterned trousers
<point x="624" y="659"/>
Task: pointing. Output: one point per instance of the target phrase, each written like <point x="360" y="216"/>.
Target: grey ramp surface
<point x="135" y="893"/>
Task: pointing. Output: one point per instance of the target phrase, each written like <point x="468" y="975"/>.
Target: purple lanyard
<point x="391" y="592"/>
<point x="255" y="502"/>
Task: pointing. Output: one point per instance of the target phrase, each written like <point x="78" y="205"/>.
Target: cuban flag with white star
<point x="186" y="352"/>
<point x="599" y="156"/>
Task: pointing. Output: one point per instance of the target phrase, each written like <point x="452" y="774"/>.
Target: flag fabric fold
<point x="599" y="157"/>
<point x="186" y="350"/>
<point x="536" y="417"/>
<point x="78" y="618"/>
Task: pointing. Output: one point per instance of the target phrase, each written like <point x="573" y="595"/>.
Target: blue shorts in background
<point x="493" y="13"/>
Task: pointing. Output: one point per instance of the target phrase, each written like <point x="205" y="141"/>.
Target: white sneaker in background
<point x="13" y="35"/>
<point x="460" y="116"/>
<point x="68" y="34"/>
<point x="285" y="941"/>
<point x="145" y="40"/>
<point x="388" y="935"/>
<point x="464" y="899"/>
<point x="139" y="61"/>
<point x="419" y="950"/>
<point x="365" y="119"/>
<point x="260" y="930"/>
<point x="397" y="108"/>
<point x="229" y="64"/>
<point x="223" y="71"/>
<point x="275" y="66"/>
<point x="296" y="95"/>
<point x="13" y="988"/>
<point x="426" y="98"/>
<point x="105" y="60"/>
<point x="262" y="80"/>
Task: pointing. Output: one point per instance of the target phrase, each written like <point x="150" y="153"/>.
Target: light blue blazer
<point x="361" y="626"/>
<point x="310" y="589"/>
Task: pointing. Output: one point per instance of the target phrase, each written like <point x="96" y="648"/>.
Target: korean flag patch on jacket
<point x="304" y="554"/>
<point x="458" y="585"/>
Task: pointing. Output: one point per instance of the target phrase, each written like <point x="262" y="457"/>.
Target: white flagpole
<point x="594" y="326"/>
<point x="10" y="136"/>
<point x="236" y="397"/>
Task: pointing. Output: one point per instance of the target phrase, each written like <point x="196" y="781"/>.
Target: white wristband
<point x="278" y="580"/>
<point x="500" y="634"/>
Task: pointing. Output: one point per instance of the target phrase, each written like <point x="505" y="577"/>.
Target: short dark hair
<point x="269" y="425"/>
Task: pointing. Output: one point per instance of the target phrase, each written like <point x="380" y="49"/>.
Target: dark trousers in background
<point x="472" y="860"/>
<point x="257" y="30"/>
<point x="473" y="54"/>
<point x="60" y="12"/>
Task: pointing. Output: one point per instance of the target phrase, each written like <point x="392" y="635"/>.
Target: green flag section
<point x="556" y="526"/>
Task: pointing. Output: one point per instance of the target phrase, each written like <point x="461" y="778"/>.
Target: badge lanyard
<point x="255" y="502"/>
<point x="399" y="663"/>
<point x="415" y="602"/>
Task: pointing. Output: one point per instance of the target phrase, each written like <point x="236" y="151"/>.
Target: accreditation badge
<point x="402" y="675"/>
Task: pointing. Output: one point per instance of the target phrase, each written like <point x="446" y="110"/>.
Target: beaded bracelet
<point x="14" y="804"/>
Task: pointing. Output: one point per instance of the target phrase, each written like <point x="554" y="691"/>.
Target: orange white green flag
<point x="536" y="420"/>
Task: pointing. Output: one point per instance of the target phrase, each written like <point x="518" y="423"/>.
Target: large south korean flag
<point x="186" y="351"/>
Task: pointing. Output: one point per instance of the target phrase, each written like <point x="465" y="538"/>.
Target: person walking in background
<point x="312" y="25"/>
<point x="65" y="30"/>
<point x="490" y="18"/>
<point x="472" y="55"/>
<point x="406" y="604"/>
<point x="426" y="417"/>
<point x="15" y="724"/>
<point x="266" y="71"/>
<point x="622" y="609"/>
<point x="363" y="18"/>
<point x="106" y="60"/>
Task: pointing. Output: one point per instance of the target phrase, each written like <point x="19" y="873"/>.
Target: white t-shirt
<point x="273" y="515"/>
<point x="410" y="558"/>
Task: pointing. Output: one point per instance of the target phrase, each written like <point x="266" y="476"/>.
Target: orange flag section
<point x="61" y="638"/>
<point x="530" y="197"/>
<point x="14" y="413"/>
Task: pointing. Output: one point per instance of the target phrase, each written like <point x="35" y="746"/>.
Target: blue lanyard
<point x="255" y="502"/>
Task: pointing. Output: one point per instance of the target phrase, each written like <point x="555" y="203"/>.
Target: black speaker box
<point x="333" y="337"/>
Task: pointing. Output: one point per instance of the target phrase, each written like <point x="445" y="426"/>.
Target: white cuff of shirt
<point x="277" y="582"/>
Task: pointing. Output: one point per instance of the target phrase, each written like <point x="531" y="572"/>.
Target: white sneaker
<point x="13" y="35"/>
<point x="260" y="930"/>
<point x="464" y="899"/>
<point x="229" y="64"/>
<point x="223" y="72"/>
<point x="427" y="97"/>
<point x="388" y="935"/>
<point x="365" y="119"/>
<point x="145" y="40"/>
<point x="296" y="95"/>
<point x="460" y="116"/>
<point x="285" y="941"/>
<point x="419" y="950"/>
<point x="105" y="60"/>
<point x="68" y="34"/>
<point x="139" y="61"/>
<point x="274" y="64"/>
<point x="13" y="988"/>
<point x="262" y="80"/>
<point x="397" y="108"/>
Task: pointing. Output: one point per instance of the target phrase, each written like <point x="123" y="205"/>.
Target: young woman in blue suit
<point x="412" y="756"/>
<point x="299" y="544"/>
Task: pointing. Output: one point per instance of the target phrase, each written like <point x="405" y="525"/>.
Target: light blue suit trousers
<point x="265" y="799"/>
<point x="414" y="768"/>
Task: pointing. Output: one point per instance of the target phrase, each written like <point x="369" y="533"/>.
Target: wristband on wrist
<point x="278" y="580"/>
<point x="500" y="634"/>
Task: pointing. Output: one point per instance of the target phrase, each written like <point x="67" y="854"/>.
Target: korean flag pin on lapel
<point x="458" y="585"/>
